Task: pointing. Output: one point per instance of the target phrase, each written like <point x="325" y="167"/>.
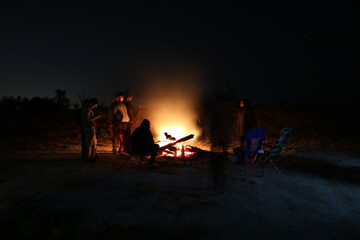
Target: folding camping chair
<point x="272" y="154"/>
<point x="251" y="156"/>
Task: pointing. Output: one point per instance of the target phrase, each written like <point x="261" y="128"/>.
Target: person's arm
<point x="94" y="118"/>
<point x="91" y="116"/>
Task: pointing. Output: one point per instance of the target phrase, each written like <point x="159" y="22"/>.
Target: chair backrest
<point x="254" y="140"/>
<point x="281" y="142"/>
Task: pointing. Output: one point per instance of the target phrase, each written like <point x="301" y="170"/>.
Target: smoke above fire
<point x="170" y="99"/>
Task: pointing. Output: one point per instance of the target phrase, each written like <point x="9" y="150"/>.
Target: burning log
<point x="197" y="150"/>
<point x="176" y="142"/>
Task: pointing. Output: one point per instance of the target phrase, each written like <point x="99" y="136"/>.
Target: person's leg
<point x="94" y="143"/>
<point x="217" y="168"/>
<point x="122" y="140"/>
<point x="82" y="136"/>
<point x="127" y="141"/>
<point x="242" y="140"/>
<point x="115" y="139"/>
<point x="154" y="151"/>
<point x="88" y="143"/>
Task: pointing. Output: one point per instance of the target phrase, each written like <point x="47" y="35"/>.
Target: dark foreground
<point x="57" y="196"/>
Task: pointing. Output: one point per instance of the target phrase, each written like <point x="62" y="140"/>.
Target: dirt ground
<point x="55" y="195"/>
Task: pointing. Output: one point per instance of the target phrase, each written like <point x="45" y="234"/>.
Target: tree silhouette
<point x="61" y="99"/>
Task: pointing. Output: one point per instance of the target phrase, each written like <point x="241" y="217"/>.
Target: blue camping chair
<point x="251" y="156"/>
<point x="272" y="153"/>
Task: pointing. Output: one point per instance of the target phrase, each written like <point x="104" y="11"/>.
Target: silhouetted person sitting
<point x="143" y="142"/>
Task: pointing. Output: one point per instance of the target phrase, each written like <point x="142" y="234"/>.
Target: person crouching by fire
<point x="143" y="142"/>
<point x="118" y="125"/>
<point x="88" y="119"/>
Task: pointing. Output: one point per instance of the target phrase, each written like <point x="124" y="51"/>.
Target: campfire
<point x="172" y="94"/>
<point x="176" y="148"/>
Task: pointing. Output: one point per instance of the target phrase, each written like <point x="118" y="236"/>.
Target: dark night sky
<point x="303" y="52"/>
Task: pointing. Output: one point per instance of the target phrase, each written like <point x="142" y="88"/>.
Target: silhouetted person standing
<point x="118" y="125"/>
<point x="244" y="119"/>
<point x="221" y="126"/>
<point x="132" y="113"/>
<point x="82" y="130"/>
<point x="88" y="119"/>
<point x="217" y="169"/>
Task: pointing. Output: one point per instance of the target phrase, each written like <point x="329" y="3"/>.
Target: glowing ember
<point x="178" y="149"/>
<point x="181" y="151"/>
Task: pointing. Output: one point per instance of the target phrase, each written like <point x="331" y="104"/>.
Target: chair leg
<point x="271" y="162"/>
<point x="258" y="164"/>
<point x="228" y="170"/>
